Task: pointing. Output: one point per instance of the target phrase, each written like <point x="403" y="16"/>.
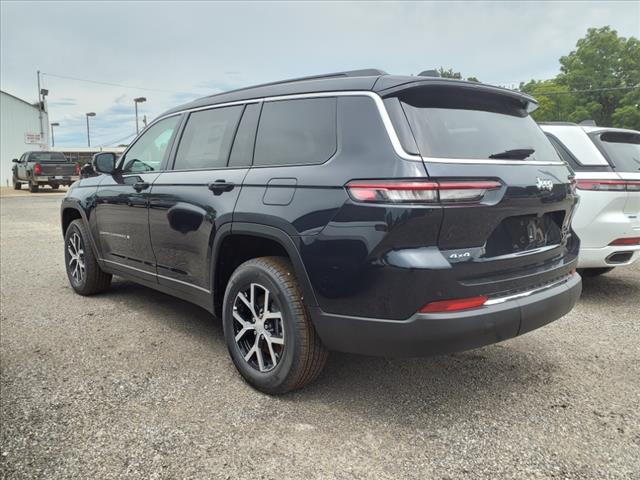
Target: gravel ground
<point x="136" y="384"/>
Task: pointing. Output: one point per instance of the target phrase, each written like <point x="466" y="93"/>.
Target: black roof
<point x="355" y="80"/>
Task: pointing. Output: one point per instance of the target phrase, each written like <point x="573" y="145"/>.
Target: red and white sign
<point x="32" y="138"/>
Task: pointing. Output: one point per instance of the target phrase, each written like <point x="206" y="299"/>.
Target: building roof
<point x="20" y="100"/>
<point x="357" y="80"/>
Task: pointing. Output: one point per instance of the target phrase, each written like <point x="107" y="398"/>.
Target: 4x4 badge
<point x="544" y="184"/>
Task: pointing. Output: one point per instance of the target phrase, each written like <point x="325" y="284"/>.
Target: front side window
<point x="147" y="153"/>
<point x="470" y="124"/>
<point x="207" y="138"/>
<point x="622" y="148"/>
<point x="296" y="132"/>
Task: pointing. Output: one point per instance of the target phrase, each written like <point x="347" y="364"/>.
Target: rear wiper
<point x="516" y="153"/>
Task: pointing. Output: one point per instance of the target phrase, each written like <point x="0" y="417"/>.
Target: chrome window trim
<point x="386" y="120"/>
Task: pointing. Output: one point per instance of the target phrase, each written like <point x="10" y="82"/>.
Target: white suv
<point x="607" y="166"/>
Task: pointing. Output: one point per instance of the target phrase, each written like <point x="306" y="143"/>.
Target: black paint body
<point x="362" y="267"/>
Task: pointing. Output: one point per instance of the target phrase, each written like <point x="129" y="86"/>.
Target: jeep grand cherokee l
<point x="359" y="212"/>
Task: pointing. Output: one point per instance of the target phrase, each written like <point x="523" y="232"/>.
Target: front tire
<point x="84" y="273"/>
<point x="55" y="186"/>
<point x="270" y="337"/>
<point x="16" y="184"/>
<point x="594" y="272"/>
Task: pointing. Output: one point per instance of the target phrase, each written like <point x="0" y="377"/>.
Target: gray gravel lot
<point x="137" y="384"/>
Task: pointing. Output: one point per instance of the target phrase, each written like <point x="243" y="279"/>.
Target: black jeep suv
<point x="359" y="212"/>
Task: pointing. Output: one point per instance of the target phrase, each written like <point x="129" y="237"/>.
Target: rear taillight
<point x="77" y="169"/>
<point x="626" y="241"/>
<point x="37" y="169"/>
<point x="609" y="185"/>
<point x="454" y="305"/>
<point x="411" y="191"/>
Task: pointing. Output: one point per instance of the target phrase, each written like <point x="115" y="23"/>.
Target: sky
<point x="173" y="52"/>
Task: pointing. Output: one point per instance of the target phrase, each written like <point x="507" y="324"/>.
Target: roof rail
<point x="366" y="72"/>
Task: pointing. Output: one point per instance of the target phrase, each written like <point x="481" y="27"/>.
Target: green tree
<point x="450" y="73"/>
<point x="606" y="66"/>
<point x="627" y="115"/>
<point x="554" y="101"/>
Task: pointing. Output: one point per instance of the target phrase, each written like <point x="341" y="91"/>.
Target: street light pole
<point x="136" y="101"/>
<point x="53" y="141"/>
<point x="90" y="114"/>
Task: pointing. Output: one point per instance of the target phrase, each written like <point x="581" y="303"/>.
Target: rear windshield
<point x="47" y="157"/>
<point x="622" y="148"/>
<point x="470" y="124"/>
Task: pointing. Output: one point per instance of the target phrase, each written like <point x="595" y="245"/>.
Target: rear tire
<point x="55" y="186"/>
<point x="272" y="343"/>
<point x="84" y="273"/>
<point x="33" y="187"/>
<point x="594" y="272"/>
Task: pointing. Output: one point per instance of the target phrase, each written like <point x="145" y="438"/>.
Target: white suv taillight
<point x="609" y="185"/>
<point x="412" y="191"/>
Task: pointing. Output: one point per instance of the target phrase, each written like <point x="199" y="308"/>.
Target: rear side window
<point x="207" y="138"/>
<point x="622" y="149"/>
<point x="296" y="132"/>
<point x="563" y="152"/>
<point x="47" y="157"/>
<point x="242" y="150"/>
<point x="472" y="124"/>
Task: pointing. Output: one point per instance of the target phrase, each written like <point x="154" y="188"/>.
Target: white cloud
<point x="194" y="49"/>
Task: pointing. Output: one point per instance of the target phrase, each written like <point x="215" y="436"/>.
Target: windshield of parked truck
<point x="469" y="123"/>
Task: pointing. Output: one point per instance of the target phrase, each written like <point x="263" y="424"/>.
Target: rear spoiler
<point x="389" y="85"/>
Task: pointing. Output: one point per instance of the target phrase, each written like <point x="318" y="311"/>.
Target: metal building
<point x="22" y="127"/>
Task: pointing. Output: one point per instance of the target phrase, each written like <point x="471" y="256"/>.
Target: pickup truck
<point x="44" y="168"/>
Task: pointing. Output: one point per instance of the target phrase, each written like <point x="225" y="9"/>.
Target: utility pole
<point x="40" y="106"/>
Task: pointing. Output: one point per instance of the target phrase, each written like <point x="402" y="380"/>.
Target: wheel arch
<point x="70" y="211"/>
<point x="253" y="240"/>
<point x="68" y="215"/>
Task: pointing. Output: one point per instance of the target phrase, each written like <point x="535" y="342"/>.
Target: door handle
<point x="139" y="186"/>
<point x="220" y="186"/>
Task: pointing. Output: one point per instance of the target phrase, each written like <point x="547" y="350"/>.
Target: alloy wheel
<point x="76" y="265"/>
<point x="258" y="327"/>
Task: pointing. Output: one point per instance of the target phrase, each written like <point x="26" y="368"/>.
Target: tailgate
<point x="57" y="169"/>
<point x="519" y="235"/>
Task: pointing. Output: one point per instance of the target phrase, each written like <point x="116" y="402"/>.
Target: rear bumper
<point x="62" y="179"/>
<point x="609" y="256"/>
<point x="429" y="334"/>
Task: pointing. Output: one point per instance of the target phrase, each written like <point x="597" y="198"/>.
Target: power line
<point x="587" y="90"/>
<point x="114" y="142"/>
<point x="109" y="84"/>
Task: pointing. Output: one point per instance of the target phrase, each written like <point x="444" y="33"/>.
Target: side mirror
<point x="15" y="160"/>
<point x="104" y="162"/>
